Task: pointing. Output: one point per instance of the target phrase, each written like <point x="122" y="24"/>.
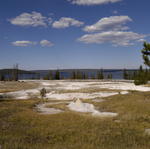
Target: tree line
<point x="76" y="74"/>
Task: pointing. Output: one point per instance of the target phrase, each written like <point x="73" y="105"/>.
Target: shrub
<point x="43" y="92"/>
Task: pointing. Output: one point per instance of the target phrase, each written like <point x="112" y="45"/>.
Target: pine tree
<point x="146" y="53"/>
<point x="134" y="75"/>
<point x="141" y="77"/>
<point x="79" y="75"/>
<point x="147" y="74"/>
<point x="73" y="75"/>
<point x="100" y="74"/>
<point x="93" y="76"/>
<point x="51" y="77"/>
<point x="109" y="76"/>
<point x="2" y="77"/>
<point x="57" y="75"/>
<point x="84" y="76"/>
<point x="15" y="72"/>
<point x="125" y="74"/>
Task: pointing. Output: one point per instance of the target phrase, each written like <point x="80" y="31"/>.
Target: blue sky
<point x="51" y="34"/>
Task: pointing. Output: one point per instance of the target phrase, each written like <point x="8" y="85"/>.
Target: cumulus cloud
<point x="65" y="22"/>
<point x="23" y="43"/>
<point x="117" y="38"/>
<point x="109" y="23"/>
<point x="111" y="30"/>
<point x="33" y="19"/>
<point x="92" y="2"/>
<point x="46" y="43"/>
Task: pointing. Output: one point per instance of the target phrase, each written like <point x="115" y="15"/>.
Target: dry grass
<point x="147" y="85"/>
<point x="88" y="90"/>
<point x="16" y="86"/>
<point x="24" y="128"/>
<point x="59" y="106"/>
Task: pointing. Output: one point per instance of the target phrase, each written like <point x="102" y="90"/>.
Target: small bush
<point x="140" y="81"/>
<point x="43" y="92"/>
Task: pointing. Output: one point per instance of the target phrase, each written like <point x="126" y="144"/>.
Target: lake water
<point x="116" y="74"/>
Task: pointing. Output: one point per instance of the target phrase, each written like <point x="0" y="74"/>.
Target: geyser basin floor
<point x="53" y="87"/>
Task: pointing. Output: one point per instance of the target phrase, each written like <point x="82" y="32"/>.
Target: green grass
<point x="21" y="127"/>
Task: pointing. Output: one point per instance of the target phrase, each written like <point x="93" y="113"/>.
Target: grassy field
<point x="21" y="127"/>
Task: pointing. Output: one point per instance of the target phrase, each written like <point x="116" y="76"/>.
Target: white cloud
<point x="111" y="30"/>
<point x="46" y="43"/>
<point x="33" y="19"/>
<point x="23" y="43"/>
<point x="109" y="23"/>
<point x="65" y="22"/>
<point x="92" y="2"/>
<point x="117" y="38"/>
